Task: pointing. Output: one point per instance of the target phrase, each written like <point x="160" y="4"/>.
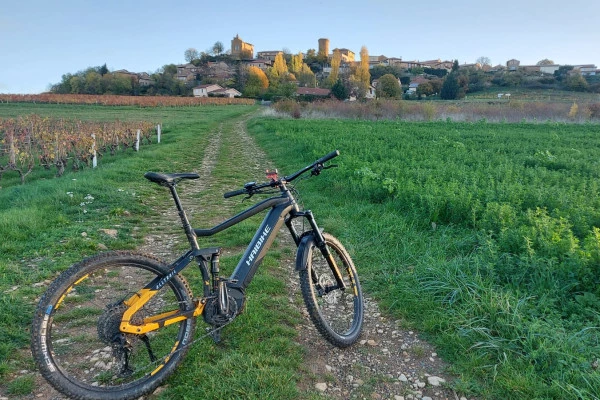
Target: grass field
<point x="49" y="223"/>
<point x="483" y="236"/>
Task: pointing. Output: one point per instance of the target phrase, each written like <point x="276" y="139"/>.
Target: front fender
<point x="303" y="251"/>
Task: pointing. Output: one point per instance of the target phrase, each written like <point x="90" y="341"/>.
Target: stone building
<point x="241" y="49"/>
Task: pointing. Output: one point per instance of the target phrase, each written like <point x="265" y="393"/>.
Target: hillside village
<point x="223" y="73"/>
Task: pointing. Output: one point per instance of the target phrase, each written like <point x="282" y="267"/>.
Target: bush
<point x="573" y="111"/>
<point x="429" y="111"/>
<point x="594" y="109"/>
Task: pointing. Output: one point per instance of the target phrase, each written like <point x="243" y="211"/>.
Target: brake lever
<point x="320" y="167"/>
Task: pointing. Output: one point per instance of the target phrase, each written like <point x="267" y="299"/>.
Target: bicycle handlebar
<point x="251" y="187"/>
<point x="235" y="193"/>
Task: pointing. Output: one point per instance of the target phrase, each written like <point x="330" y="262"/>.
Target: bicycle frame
<point x="284" y="209"/>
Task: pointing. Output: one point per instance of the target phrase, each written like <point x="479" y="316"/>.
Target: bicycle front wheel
<point x="336" y="313"/>
<point x="76" y="340"/>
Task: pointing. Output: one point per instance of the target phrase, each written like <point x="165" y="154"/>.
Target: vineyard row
<point x="30" y="141"/>
<point x="113" y="100"/>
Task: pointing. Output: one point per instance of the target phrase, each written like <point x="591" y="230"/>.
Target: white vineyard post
<point x="137" y="141"/>
<point x="158" y="132"/>
<point x="12" y="158"/>
<point x="94" y="156"/>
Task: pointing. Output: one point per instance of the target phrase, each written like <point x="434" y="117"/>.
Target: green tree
<point x="562" y="72"/>
<point x="436" y="85"/>
<point x="286" y="90"/>
<point x="190" y="55"/>
<point x="76" y="83"/>
<point x="93" y="83"/>
<point x="218" y="48"/>
<point x="577" y="83"/>
<point x="484" y="61"/>
<point x="167" y="84"/>
<point x="380" y="70"/>
<point x="117" y="84"/>
<point x="103" y="70"/>
<point x="425" y="89"/>
<point x="450" y="88"/>
<point x="455" y="66"/>
<point x="339" y="90"/>
<point x="478" y="80"/>
<point x="169" y="69"/>
<point x="64" y="86"/>
<point x="545" y="61"/>
<point x="513" y="78"/>
<point x="388" y="87"/>
<point x="441" y="72"/>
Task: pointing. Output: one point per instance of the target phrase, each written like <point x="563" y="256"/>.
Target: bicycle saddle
<point x="169" y="179"/>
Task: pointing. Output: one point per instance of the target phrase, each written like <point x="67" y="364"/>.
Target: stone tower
<point x="324" y="47"/>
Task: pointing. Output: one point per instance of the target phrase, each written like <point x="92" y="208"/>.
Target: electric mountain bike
<point x="116" y="325"/>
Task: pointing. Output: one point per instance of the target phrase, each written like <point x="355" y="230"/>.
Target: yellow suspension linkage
<point x="154" y="322"/>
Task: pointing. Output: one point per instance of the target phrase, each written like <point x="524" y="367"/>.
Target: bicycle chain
<point x="207" y="334"/>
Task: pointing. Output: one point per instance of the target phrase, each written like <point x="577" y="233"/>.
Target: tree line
<point x="99" y="80"/>
<point x="312" y="69"/>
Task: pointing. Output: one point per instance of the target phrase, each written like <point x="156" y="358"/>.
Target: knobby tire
<point x="338" y="314"/>
<point x="75" y="337"/>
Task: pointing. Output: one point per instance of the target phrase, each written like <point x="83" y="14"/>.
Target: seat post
<point x="187" y="227"/>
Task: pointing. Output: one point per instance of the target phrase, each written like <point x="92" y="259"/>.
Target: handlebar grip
<point x="328" y="157"/>
<point x="235" y="193"/>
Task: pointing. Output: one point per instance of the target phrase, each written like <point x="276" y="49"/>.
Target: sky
<point x="41" y="40"/>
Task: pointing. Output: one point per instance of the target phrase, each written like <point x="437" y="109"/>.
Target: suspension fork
<point x="320" y="242"/>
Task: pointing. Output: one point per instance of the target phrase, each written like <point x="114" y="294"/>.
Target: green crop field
<point x="484" y="237"/>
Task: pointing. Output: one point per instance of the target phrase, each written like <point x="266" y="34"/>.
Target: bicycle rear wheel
<point x="336" y="313"/>
<point x="76" y="340"/>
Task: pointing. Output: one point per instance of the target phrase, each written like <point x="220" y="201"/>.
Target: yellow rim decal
<point x="166" y="359"/>
<point x="82" y="279"/>
<point x="58" y="303"/>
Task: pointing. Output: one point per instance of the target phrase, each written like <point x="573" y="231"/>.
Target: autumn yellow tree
<point x="257" y="82"/>
<point x="296" y="63"/>
<point x="306" y="77"/>
<point x="279" y="70"/>
<point x="361" y="79"/>
<point x="336" y="60"/>
<point x="363" y="71"/>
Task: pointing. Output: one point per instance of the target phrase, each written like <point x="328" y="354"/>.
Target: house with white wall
<point x="215" y="90"/>
<point x="204" y="90"/>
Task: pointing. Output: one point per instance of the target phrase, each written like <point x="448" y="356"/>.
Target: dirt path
<point x="389" y="362"/>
